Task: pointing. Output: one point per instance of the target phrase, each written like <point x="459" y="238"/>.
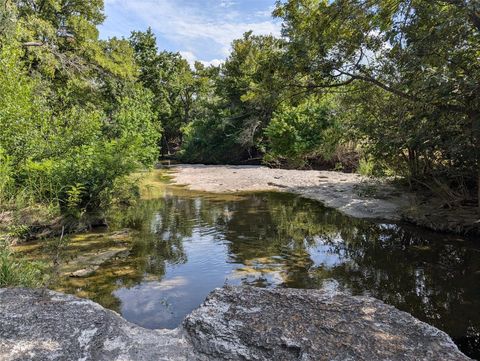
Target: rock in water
<point x="234" y="323"/>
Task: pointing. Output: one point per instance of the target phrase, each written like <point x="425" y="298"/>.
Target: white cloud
<point x="226" y="3"/>
<point x="266" y="13"/>
<point x="195" y="29"/>
<point x="214" y="62"/>
<point x="191" y="58"/>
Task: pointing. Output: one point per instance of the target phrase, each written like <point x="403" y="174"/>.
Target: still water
<point x="185" y="244"/>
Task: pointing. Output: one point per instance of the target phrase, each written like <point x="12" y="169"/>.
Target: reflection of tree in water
<point x="435" y="279"/>
<point x="277" y="232"/>
<point x="168" y="222"/>
<point x="160" y="229"/>
<point x="282" y="240"/>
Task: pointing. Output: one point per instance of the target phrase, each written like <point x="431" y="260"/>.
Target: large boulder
<point x="290" y="324"/>
<point x="242" y="323"/>
<point x="45" y="325"/>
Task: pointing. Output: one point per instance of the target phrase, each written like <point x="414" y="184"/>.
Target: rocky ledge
<point x="241" y="323"/>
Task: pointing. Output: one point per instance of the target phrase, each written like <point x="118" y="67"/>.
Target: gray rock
<point x="288" y="324"/>
<point x="241" y="323"/>
<point x="36" y="325"/>
<point x="84" y="272"/>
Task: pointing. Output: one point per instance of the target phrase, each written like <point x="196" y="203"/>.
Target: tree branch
<point x="32" y="43"/>
<point x="472" y="14"/>
<point x="413" y="98"/>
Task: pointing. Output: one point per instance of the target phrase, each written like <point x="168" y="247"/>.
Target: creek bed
<point x="182" y="244"/>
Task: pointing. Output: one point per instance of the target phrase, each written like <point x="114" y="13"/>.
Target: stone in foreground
<point x="289" y="324"/>
<point x="45" y="325"/>
<point x="241" y="323"/>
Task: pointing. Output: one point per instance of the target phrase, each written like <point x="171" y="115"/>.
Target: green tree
<point x="172" y="82"/>
<point x="251" y="83"/>
<point x="235" y="102"/>
<point x="297" y="133"/>
<point x="74" y="119"/>
<point x="418" y="57"/>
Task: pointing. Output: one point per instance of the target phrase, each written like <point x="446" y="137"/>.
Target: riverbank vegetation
<point x="14" y="270"/>
<point x="381" y="87"/>
<point x="75" y="120"/>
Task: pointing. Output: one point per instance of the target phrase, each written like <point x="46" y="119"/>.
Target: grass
<point x="16" y="271"/>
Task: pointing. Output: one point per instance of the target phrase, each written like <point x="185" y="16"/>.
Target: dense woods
<point x="383" y="87"/>
<point x="74" y="118"/>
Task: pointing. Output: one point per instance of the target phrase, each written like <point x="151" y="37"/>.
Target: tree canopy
<point x="384" y="87"/>
<point x="73" y="115"/>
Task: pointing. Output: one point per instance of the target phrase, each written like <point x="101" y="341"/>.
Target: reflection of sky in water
<point x="325" y="255"/>
<point x="155" y="304"/>
<point x="187" y="246"/>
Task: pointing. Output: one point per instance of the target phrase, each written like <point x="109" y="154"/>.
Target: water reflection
<point x="186" y="245"/>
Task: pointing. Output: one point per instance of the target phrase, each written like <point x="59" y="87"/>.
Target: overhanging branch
<point x="32" y="43"/>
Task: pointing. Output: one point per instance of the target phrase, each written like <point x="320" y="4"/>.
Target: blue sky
<point x="198" y="29"/>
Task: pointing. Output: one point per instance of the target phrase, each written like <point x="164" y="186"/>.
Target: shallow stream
<point x="184" y="244"/>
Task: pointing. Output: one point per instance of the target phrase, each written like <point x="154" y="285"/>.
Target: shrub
<point x="297" y="133"/>
<point x="134" y="124"/>
<point x="6" y="176"/>
<point x="211" y="140"/>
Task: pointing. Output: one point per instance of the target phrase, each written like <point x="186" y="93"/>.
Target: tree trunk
<point x="478" y="189"/>
<point x="475" y="118"/>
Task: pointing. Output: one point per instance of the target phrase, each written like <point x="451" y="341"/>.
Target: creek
<point x="182" y="244"/>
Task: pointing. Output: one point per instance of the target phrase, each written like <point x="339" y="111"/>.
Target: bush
<point x="366" y="167"/>
<point x="211" y="140"/>
<point x="6" y="176"/>
<point x="80" y="153"/>
<point x="124" y="193"/>
<point x="60" y="148"/>
<point x="297" y="133"/>
<point x="134" y="124"/>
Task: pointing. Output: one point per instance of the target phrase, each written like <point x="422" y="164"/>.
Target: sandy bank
<point x="351" y="194"/>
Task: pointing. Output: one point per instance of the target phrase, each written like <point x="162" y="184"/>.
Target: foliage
<point x="73" y="116"/>
<point x="250" y="84"/>
<point x="409" y="70"/>
<point x="173" y="84"/>
<point x="18" y="116"/>
<point x="391" y="82"/>
<point x="124" y="193"/>
<point x="15" y="271"/>
<point x="134" y="123"/>
<point x="297" y="133"/>
<point x="235" y="103"/>
<point x="211" y="140"/>
<point x="6" y="175"/>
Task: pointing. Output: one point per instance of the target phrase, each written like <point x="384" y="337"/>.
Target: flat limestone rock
<point x="290" y="324"/>
<point x="36" y="325"/>
<point x="234" y="323"/>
